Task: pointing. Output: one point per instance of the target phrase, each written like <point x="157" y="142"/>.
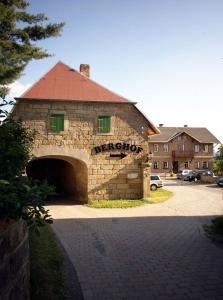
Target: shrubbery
<point x="20" y="197"/>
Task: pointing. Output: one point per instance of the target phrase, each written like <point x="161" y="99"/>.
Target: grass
<point x="46" y="266"/>
<point x="116" y="203"/>
<point x="160" y="195"/>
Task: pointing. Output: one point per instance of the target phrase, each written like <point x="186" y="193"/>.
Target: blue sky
<point x="164" y="54"/>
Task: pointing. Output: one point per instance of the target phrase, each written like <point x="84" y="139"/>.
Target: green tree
<point x="20" y="197"/>
<point x="218" y="161"/>
<point x="15" y="147"/>
<point x="19" y="32"/>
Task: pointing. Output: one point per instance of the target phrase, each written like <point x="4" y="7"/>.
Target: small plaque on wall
<point x="132" y="175"/>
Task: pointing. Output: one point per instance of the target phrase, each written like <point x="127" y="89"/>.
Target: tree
<point x="19" y="31"/>
<point x="15" y="147"/>
<point x="20" y="197"/>
<point x="218" y="161"/>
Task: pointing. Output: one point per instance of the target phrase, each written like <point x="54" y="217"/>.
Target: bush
<point x="23" y="198"/>
<point x="19" y="196"/>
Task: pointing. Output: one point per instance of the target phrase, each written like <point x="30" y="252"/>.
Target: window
<point x="57" y="123"/>
<point x="165" y="147"/>
<point x="205" y="164"/>
<point x="197" y="164"/>
<point x="155" y="165"/>
<point x="205" y="148"/>
<point x="155" y="148"/>
<point x="186" y="165"/>
<point x="165" y="165"/>
<point x="180" y="147"/>
<point x="179" y="138"/>
<point x="196" y="148"/>
<point x="104" y="124"/>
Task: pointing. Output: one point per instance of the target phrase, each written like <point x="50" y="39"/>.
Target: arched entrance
<point x="67" y="174"/>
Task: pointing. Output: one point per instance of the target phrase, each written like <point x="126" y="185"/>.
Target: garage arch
<point x="68" y="174"/>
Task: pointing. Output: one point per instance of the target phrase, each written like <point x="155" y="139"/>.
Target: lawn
<point x="160" y="195"/>
<point x="46" y="266"/>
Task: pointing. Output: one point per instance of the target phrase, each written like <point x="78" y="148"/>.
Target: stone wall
<point x="14" y="267"/>
<point x="107" y="178"/>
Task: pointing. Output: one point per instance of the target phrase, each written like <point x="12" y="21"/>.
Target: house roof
<point x="201" y="134"/>
<point x="63" y="83"/>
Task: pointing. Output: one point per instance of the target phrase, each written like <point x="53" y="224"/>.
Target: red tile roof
<point x="64" y="83"/>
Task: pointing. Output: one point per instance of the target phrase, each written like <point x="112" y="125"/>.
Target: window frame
<point x="205" y="148"/>
<point x="100" y="128"/>
<point x="197" y="164"/>
<point x="155" y="148"/>
<point x="205" y="164"/>
<point x="180" y="147"/>
<point x="155" y="165"/>
<point x="196" y="148"/>
<point x="165" y="165"/>
<point x="165" y="148"/>
<point x="57" y="118"/>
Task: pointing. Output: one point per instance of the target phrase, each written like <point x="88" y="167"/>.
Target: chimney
<point x="85" y="70"/>
<point x="185" y="125"/>
<point x="160" y="125"/>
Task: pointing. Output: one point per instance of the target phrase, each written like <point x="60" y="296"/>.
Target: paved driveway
<point x="150" y="252"/>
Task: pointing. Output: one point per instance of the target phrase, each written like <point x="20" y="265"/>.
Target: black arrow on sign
<point x="121" y="155"/>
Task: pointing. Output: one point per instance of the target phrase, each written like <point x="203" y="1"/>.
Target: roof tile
<point x="64" y="83"/>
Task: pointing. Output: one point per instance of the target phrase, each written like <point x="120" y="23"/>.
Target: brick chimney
<point x="185" y="125"/>
<point x="160" y="125"/>
<point x="85" y="70"/>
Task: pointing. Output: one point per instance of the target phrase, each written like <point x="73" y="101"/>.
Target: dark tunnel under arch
<point x="68" y="175"/>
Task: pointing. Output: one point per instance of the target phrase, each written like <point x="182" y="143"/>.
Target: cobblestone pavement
<point x="150" y="252"/>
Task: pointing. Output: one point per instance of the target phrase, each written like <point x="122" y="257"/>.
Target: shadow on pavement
<point x="143" y="257"/>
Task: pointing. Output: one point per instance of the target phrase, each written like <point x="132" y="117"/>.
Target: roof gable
<point x="201" y="134"/>
<point x="64" y="83"/>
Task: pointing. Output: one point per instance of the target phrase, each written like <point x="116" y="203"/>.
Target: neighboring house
<point x="178" y="148"/>
<point x="91" y="143"/>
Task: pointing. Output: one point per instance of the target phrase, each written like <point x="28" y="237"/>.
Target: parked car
<point x="155" y="182"/>
<point x="220" y="181"/>
<point x="183" y="174"/>
<point x="196" y="174"/>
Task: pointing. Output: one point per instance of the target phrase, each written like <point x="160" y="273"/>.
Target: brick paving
<point x="151" y="252"/>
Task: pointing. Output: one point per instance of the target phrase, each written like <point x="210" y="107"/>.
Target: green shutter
<point x="57" y="123"/>
<point x="104" y="124"/>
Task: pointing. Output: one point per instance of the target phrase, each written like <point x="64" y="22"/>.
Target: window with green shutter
<point x="56" y="123"/>
<point x="104" y="124"/>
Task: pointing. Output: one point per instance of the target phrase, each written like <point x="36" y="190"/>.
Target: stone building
<point x="91" y="143"/>
<point x="178" y="148"/>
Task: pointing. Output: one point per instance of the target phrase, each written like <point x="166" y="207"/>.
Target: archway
<point x="68" y="175"/>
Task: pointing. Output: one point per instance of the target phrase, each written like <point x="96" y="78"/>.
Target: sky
<point x="166" y="55"/>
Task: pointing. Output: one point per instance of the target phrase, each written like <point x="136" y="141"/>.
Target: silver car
<point x="155" y="182"/>
<point x="184" y="174"/>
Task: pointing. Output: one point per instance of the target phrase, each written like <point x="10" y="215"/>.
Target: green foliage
<point x="19" y="31"/>
<point x="19" y="196"/>
<point x="218" y="161"/>
<point x="47" y="279"/>
<point x="15" y="145"/>
<point x="23" y="198"/>
<point x="116" y="203"/>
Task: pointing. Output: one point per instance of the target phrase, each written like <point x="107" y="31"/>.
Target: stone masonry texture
<point x="106" y="178"/>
